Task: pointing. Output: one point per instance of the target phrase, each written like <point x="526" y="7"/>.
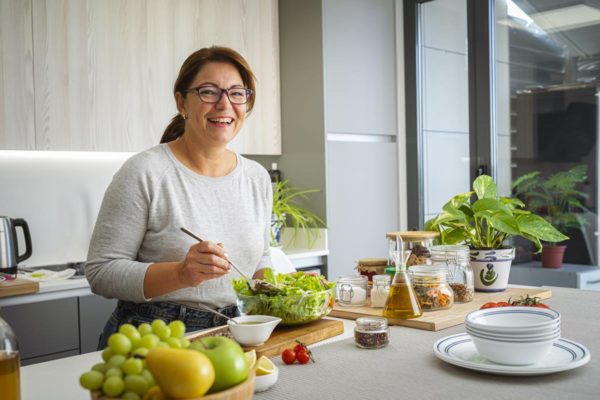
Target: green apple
<point x="228" y="360"/>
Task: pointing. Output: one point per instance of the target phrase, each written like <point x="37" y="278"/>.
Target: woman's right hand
<point x="203" y="261"/>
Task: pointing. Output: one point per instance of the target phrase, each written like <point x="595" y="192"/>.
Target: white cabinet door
<point x="104" y="71"/>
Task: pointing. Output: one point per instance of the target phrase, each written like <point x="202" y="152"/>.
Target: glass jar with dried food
<point x="371" y="266"/>
<point x="432" y="287"/>
<point x="418" y="242"/>
<point x="460" y="273"/>
<point x="371" y="332"/>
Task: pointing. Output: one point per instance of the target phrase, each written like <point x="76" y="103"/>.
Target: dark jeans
<point x="138" y="313"/>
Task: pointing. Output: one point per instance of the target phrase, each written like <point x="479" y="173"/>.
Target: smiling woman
<point x="137" y="252"/>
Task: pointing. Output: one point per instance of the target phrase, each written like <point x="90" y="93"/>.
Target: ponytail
<point x="174" y="130"/>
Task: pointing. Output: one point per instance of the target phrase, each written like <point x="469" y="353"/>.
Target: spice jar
<point x="352" y="290"/>
<point x="460" y="273"/>
<point x="380" y="290"/>
<point x="371" y="266"/>
<point x="371" y="332"/>
<point x="432" y="287"/>
<point x="417" y="242"/>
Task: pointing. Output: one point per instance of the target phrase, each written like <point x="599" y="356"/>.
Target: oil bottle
<point x="9" y="363"/>
<point x="402" y="302"/>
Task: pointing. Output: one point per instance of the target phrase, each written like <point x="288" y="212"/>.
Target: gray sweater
<point x="150" y="198"/>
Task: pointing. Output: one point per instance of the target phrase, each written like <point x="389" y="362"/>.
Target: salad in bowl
<point x="296" y="298"/>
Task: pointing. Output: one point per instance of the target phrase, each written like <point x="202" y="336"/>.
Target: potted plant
<point x="485" y="225"/>
<point x="558" y="201"/>
<point x="288" y="212"/>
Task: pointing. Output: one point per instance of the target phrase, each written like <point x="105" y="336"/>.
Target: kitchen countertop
<point x="343" y="371"/>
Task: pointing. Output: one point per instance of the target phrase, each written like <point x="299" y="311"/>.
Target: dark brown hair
<point x="190" y="68"/>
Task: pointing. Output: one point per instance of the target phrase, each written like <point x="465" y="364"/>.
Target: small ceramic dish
<point x="252" y="330"/>
<point x="513" y="353"/>
<point x="511" y="320"/>
<point x="513" y="337"/>
<point x="264" y="382"/>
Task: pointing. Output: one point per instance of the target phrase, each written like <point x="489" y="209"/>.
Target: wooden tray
<point x="17" y="287"/>
<point x="437" y="320"/>
<point x="285" y="337"/>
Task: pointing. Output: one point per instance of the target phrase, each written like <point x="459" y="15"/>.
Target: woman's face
<point x="216" y="123"/>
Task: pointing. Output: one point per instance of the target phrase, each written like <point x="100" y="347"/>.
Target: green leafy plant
<point x="490" y="220"/>
<point x="556" y="198"/>
<point x="288" y="212"/>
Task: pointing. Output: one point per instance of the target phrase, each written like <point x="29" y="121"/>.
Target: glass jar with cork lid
<point x="418" y="242"/>
<point x="371" y="266"/>
<point x="456" y="259"/>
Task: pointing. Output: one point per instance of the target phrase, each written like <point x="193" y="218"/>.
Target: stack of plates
<point x="513" y="335"/>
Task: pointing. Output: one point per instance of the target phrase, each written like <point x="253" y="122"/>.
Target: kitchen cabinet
<point x="103" y="71"/>
<point x="54" y="329"/>
<point x="16" y="76"/>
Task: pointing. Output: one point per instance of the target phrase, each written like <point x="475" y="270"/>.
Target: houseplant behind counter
<point x="287" y="211"/>
<point x="485" y="225"/>
<point x="557" y="200"/>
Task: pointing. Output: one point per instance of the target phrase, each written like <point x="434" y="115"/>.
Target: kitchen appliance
<point x="9" y="247"/>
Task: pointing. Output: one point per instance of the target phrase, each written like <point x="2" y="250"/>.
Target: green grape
<point x="132" y="366"/>
<point x="116" y="361"/>
<point x="149" y="378"/>
<point x="119" y="343"/>
<point x="100" y="367"/>
<point x="144" y="329"/>
<point x="162" y="332"/>
<point x="113" y="386"/>
<point x="130" y="395"/>
<point x="185" y="343"/>
<point x="157" y="324"/>
<point x="125" y="328"/>
<point x="114" y="372"/>
<point x="92" y="380"/>
<point x="140" y="351"/>
<point x="162" y="344"/>
<point x="149" y="341"/>
<point x="132" y="333"/>
<point x="136" y="384"/>
<point x="107" y="353"/>
<point x="177" y="328"/>
<point x="174" y="342"/>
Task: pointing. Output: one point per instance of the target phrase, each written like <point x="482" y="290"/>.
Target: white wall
<point x="59" y="195"/>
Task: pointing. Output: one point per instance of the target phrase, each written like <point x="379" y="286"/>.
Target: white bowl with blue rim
<point x="513" y="352"/>
<point x="512" y="336"/>
<point x="514" y="320"/>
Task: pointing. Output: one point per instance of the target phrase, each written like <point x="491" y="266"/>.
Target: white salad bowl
<point x="512" y="353"/>
<point x="514" y="320"/>
<point x="252" y="330"/>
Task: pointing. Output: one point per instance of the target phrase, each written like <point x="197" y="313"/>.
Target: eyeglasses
<point x="212" y="94"/>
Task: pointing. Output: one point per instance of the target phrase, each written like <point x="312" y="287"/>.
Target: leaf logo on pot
<point x="490" y="275"/>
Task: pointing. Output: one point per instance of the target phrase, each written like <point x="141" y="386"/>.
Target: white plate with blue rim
<point x="459" y="350"/>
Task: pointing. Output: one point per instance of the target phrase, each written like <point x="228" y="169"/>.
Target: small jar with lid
<point x="380" y="290"/>
<point x="431" y="287"/>
<point x="460" y="274"/>
<point x="352" y="290"/>
<point x="371" y="332"/>
<point x="416" y="245"/>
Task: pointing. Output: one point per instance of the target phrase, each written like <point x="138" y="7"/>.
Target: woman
<point x="138" y="253"/>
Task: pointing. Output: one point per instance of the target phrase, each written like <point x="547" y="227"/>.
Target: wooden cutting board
<point x="285" y="336"/>
<point x="437" y="320"/>
<point x="18" y="286"/>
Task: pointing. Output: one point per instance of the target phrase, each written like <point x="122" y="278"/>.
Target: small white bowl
<point x="510" y="336"/>
<point x="512" y="353"/>
<point x="264" y="382"/>
<point x="554" y="335"/>
<point x="252" y="330"/>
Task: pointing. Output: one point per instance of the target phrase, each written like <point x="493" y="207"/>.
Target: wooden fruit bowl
<point x="242" y="391"/>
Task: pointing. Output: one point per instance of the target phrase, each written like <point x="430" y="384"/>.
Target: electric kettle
<point x="9" y="247"/>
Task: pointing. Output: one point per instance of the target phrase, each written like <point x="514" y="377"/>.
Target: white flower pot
<point x="491" y="268"/>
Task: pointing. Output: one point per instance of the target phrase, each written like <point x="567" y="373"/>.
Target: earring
<point x="185" y="117"/>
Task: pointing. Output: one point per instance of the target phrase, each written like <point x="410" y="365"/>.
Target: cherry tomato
<point x="502" y="304"/>
<point x="302" y="357"/>
<point x="288" y="356"/>
<point x="298" y="348"/>
<point x="490" y="304"/>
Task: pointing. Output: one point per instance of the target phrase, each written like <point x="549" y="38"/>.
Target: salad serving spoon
<point x="254" y="285"/>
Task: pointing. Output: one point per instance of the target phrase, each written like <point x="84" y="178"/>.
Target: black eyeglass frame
<point x="226" y="91"/>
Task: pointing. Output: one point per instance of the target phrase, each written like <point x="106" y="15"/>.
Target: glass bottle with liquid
<point x="402" y="302"/>
<point x="10" y="384"/>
